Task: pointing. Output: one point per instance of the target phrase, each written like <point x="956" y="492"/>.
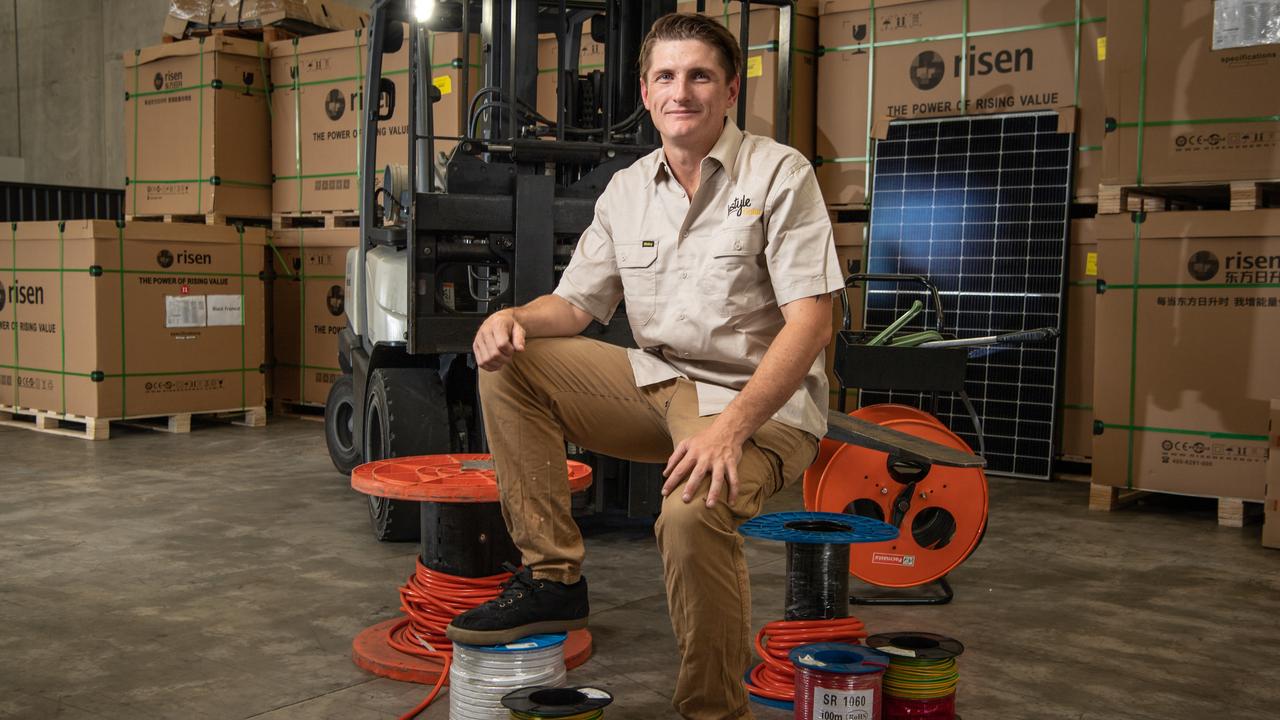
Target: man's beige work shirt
<point x="704" y="278"/>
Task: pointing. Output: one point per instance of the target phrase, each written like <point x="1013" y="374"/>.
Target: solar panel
<point x="979" y="205"/>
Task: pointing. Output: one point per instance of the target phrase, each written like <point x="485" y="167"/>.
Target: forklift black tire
<point x="405" y="414"/>
<point x="339" y="425"/>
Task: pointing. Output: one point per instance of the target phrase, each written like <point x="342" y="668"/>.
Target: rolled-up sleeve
<point x="591" y="282"/>
<point x="799" y="246"/>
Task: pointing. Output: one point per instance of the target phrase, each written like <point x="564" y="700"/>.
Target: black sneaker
<point x="525" y="607"/>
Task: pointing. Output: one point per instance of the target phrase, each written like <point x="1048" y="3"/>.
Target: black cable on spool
<point x="817" y="577"/>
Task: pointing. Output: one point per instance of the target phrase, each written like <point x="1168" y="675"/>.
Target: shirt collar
<point x="725" y="152"/>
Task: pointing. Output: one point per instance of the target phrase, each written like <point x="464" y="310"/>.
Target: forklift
<point x="446" y="241"/>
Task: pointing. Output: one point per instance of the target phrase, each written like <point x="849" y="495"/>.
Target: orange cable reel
<point x="462" y="491"/>
<point x="942" y="515"/>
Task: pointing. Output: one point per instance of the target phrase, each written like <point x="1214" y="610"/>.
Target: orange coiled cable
<point x="775" y="677"/>
<point x="430" y="601"/>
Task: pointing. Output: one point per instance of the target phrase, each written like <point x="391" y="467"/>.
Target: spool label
<point x="882" y="558"/>
<point x="834" y="704"/>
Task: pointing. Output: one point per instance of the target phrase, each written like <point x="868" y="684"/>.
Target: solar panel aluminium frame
<point x="1037" y="196"/>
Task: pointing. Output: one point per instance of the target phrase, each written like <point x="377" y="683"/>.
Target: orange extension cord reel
<point x="942" y="515"/>
<point x="464" y="545"/>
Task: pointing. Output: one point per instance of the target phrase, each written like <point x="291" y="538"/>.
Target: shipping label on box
<point x="1014" y="57"/>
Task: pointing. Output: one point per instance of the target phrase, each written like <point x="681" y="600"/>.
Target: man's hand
<point x="714" y="452"/>
<point x="497" y="340"/>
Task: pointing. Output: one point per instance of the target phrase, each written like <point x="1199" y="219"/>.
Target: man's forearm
<point x="781" y="371"/>
<point x="550" y="316"/>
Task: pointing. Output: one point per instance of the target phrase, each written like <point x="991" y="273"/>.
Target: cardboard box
<point x="318" y="89"/>
<point x="1076" y="419"/>
<point x="762" y="68"/>
<point x="197" y="129"/>
<point x="1186" y="120"/>
<point x="1017" y="57"/>
<point x="1206" y="332"/>
<point x="1271" y="514"/>
<point x="309" y="310"/>
<point x="850" y="239"/>
<point x="303" y="16"/>
<point x="179" y="329"/>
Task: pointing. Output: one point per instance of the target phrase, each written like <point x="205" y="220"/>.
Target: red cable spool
<point x="457" y="490"/>
<point x="948" y="510"/>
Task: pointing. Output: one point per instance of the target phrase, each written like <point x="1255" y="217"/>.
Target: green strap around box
<point x="62" y="372"/>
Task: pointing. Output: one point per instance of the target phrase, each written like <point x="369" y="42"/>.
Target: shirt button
<point x="684" y="234"/>
<point x="684" y="276"/>
<point x="622" y="258"/>
<point x="737" y="246"/>
<point x="684" y="354"/>
<point x="681" y="317"/>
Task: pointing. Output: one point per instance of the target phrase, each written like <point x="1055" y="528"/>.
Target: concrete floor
<point x="222" y="574"/>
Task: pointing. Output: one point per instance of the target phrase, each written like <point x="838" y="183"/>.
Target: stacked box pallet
<point x="893" y="59"/>
<point x="136" y="320"/>
<point x="1188" y="329"/>
<point x="197" y="130"/>
<point x="1185" y="337"/>
<point x="308" y="311"/>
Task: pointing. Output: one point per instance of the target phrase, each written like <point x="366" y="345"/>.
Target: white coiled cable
<point x="481" y="676"/>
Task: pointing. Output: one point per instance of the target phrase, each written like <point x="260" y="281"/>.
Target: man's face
<point x="686" y="91"/>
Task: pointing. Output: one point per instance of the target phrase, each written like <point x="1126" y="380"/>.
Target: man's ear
<point x="644" y="93"/>
<point x="735" y="86"/>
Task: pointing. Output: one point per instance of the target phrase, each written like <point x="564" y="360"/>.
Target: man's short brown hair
<point x="687" y="26"/>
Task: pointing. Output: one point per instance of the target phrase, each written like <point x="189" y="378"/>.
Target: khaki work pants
<point x="584" y="391"/>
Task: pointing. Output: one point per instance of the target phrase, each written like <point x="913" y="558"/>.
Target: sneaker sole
<point x="507" y="635"/>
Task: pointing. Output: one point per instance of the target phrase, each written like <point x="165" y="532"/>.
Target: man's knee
<point x="683" y="526"/>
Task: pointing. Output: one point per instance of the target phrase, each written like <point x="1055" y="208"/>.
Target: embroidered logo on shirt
<point x="739" y="205"/>
<point x="647" y="243"/>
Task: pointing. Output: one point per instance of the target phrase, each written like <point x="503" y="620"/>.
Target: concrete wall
<point x="61" y="70"/>
<point x="62" y="86"/>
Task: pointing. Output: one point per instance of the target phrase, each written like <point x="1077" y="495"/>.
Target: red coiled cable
<point x="430" y="601"/>
<point x="775" y="677"/>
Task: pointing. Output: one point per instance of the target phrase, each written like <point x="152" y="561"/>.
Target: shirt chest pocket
<point x="637" y="266"/>
<point x="735" y="278"/>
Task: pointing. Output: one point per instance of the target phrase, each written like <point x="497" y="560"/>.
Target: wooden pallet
<point x="91" y="428"/>
<point x="1238" y="195"/>
<point x="312" y="220"/>
<point x="205" y="219"/>
<point x="1232" y="512"/>
<point x="300" y="410"/>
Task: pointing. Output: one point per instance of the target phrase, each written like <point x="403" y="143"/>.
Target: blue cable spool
<point x="817" y="564"/>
